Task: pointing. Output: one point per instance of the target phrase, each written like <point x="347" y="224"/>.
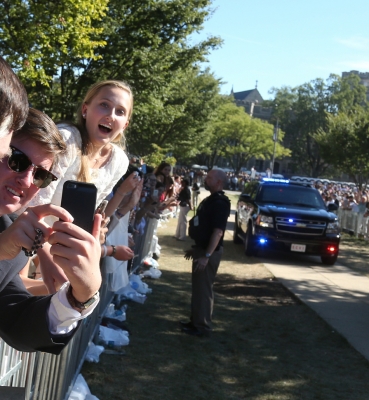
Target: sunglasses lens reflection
<point x="19" y="162"/>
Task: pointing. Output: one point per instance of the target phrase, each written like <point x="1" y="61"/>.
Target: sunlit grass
<point x="258" y="351"/>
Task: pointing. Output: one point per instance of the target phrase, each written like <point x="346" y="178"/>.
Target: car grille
<point x="300" y="226"/>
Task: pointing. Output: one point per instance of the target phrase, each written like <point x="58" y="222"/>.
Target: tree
<point x="174" y="118"/>
<point x="60" y="49"/>
<point x="42" y="39"/>
<point x="239" y="137"/>
<point x="303" y="111"/>
<point x="345" y="142"/>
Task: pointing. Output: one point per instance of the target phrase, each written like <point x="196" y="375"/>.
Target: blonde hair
<point x="84" y="174"/>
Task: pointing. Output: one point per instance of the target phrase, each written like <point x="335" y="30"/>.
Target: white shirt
<point x="62" y="317"/>
<point x="68" y="167"/>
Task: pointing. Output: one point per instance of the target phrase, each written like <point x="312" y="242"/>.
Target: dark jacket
<point x="23" y="317"/>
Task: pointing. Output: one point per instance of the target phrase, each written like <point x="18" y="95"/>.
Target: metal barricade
<point x="353" y="223"/>
<point x="51" y="377"/>
<point x="143" y="243"/>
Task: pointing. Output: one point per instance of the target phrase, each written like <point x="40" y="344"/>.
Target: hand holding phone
<point x="101" y="208"/>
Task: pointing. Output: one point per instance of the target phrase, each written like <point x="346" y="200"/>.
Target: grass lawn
<point x="265" y="346"/>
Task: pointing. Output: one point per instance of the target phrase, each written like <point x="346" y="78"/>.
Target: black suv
<point x="283" y="215"/>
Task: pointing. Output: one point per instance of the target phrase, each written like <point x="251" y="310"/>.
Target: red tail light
<point x="332" y="249"/>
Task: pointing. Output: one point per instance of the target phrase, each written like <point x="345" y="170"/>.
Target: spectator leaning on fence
<point x="93" y="154"/>
<point x="361" y="209"/>
<point x="162" y="173"/>
<point x="115" y="266"/>
<point x="44" y="323"/>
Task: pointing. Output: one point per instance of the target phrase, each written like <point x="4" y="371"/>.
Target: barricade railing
<point x="51" y="377"/>
<point x="143" y="243"/>
<point x="353" y="222"/>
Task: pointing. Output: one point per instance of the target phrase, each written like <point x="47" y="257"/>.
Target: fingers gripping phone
<point x="101" y="208"/>
<point x="79" y="199"/>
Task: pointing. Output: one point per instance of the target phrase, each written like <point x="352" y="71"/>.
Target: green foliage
<point x="60" y="49"/>
<point x="235" y="135"/>
<point x="40" y="37"/>
<point x="345" y="142"/>
<point x="158" y="155"/>
<point x="303" y="112"/>
<point x="175" y="116"/>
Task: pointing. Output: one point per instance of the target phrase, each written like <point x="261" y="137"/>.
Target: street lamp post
<point x="275" y="140"/>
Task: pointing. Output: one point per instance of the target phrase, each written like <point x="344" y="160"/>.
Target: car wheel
<point x="236" y="231"/>
<point x="329" y="260"/>
<point x="250" y="248"/>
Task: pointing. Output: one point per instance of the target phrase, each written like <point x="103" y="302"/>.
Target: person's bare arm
<point x="133" y="200"/>
<point x="128" y="185"/>
<point x="35" y="287"/>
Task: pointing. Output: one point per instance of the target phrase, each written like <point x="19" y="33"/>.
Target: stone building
<point x="252" y="102"/>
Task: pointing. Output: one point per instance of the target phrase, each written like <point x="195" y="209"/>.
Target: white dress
<point x="68" y="167"/>
<point x="117" y="270"/>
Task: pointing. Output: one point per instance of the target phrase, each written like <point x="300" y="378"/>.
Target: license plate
<point x="298" y="247"/>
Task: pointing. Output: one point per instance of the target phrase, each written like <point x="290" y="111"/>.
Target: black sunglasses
<point x="19" y="162"/>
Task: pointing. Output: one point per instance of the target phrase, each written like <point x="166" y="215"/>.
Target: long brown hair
<point x="84" y="175"/>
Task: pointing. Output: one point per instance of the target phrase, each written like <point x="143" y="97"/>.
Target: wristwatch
<point x="79" y="305"/>
<point x="207" y="255"/>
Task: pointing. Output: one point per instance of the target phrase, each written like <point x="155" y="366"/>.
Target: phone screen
<point x="79" y="199"/>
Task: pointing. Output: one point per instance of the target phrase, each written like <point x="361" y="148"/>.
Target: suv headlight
<point x="265" y="221"/>
<point x="333" y="227"/>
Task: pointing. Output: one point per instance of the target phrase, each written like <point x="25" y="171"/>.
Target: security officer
<point x="207" y="229"/>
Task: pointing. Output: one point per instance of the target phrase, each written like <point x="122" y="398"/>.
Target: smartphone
<point x="101" y="208"/>
<point x="155" y="192"/>
<point x="79" y="199"/>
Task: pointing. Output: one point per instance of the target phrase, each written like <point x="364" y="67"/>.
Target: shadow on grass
<point x="260" y="350"/>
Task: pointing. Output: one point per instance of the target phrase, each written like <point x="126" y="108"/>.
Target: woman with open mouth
<point x="95" y="154"/>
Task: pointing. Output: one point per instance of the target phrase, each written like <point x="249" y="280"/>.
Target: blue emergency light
<point x="276" y="180"/>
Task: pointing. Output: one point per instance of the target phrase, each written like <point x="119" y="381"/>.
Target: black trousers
<point x="202" y="300"/>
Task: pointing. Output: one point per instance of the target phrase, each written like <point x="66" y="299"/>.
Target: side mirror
<point x="332" y="207"/>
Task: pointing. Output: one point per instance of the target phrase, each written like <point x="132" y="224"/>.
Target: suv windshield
<point x="290" y="195"/>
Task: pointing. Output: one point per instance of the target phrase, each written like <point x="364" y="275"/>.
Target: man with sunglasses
<point x="44" y="323"/>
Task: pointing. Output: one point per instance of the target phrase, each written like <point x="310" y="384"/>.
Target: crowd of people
<point x="349" y="198"/>
<point x="50" y="268"/>
<point x="39" y="239"/>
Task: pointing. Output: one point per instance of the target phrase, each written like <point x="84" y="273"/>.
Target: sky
<point x="286" y="42"/>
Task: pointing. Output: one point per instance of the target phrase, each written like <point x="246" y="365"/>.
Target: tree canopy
<point x="233" y="134"/>
<point x="345" y="143"/>
<point x="303" y="112"/>
<point x="60" y="49"/>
